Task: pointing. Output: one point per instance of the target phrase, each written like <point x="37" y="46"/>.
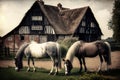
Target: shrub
<point x="65" y="44"/>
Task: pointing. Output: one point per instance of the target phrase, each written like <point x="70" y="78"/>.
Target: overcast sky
<point x="12" y="12"/>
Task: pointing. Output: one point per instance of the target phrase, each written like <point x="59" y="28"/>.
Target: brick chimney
<point x="41" y="2"/>
<point x="59" y="5"/>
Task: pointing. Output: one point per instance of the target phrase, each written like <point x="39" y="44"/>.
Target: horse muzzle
<point x="67" y="73"/>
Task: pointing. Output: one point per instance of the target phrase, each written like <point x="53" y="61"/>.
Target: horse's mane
<point x="72" y="50"/>
<point x="20" y="51"/>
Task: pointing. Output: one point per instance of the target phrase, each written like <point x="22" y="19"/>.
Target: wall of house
<point x="35" y="26"/>
<point x="15" y="41"/>
<point x="88" y="29"/>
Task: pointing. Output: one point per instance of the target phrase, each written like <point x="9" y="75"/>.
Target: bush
<point x="65" y="44"/>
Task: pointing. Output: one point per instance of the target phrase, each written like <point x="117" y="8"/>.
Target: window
<point x="37" y="18"/>
<point x="83" y="23"/>
<point x="32" y="37"/>
<point x="87" y="31"/>
<point x="43" y="38"/>
<point x="24" y="30"/>
<point x="92" y="24"/>
<point x="21" y="37"/>
<point x="82" y="30"/>
<point x="10" y="38"/>
<point x="37" y="27"/>
<point x="49" y="30"/>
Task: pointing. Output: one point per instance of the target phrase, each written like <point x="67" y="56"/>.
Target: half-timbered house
<point x="49" y="23"/>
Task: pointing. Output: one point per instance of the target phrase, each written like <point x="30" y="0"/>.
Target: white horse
<point x="34" y="50"/>
<point x="82" y="49"/>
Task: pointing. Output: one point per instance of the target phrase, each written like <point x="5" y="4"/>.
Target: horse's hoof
<point x="28" y="70"/>
<point x="67" y="74"/>
<point x="56" y="74"/>
<point x="50" y="74"/>
<point x="34" y="70"/>
<point x="106" y="70"/>
<point x="99" y="71"/>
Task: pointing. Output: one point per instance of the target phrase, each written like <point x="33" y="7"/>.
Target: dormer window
<point x="37" y="18"/>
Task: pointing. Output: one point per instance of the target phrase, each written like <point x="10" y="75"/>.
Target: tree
<point x="116" y="20"/>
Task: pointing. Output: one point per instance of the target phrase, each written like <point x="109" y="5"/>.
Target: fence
<point x="115" y="46"/>
<point x="6" y="51"/>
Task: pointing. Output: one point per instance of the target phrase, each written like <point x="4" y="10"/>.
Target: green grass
<point x="42" y="74"/>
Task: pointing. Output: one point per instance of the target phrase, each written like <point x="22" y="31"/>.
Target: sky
<point x="12" y="12"/>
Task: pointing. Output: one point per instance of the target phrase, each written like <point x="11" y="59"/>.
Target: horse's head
<point x="68" y="66"/>
<point x="18" y="64"/>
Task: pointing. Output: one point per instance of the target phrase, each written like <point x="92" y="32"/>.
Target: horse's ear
<point x="63" y="59"/>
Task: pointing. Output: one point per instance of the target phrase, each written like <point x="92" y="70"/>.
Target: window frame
<point x="24" y="30"/>
<point x="36" y="27"/>
<point x="37" y="18"/>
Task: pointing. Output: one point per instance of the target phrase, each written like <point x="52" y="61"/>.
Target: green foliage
<point x="68" y="42"/>
<point x="116" y="20"/>
<point x="42" y="74"/>
<point x="91" y="77"/>
<point x="65" y="44"/>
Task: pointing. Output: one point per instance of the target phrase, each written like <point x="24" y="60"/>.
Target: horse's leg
<point x="101" y="61"/>
<point x="83" y="58"/>
<point x="105" y="58"/>
<point x="106" y="69"/>
<point x="51" y="71"/>
<point x="28" y="69"/>
<point x="80" y="61"/>
<point x="33" y="65"/>
<point x="56" y="68"/>
<point x="55" y="65"/>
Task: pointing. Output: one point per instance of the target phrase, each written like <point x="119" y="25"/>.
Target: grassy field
<point x="42" y="74"/>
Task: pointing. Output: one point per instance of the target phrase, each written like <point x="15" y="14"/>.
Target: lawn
<point x="42" y="74"/>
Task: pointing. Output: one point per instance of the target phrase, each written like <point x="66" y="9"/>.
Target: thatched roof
<point x="72" y="18"/>
<point x="64" y="21"/>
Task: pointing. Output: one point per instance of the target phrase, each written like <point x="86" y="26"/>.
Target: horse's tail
<point x="59" y="55"/>
<point x="109" y="53"/>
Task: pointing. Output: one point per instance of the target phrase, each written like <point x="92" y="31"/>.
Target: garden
<point x="9" y="73"/>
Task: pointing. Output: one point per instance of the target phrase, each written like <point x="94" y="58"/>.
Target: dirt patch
<point x="92" y="63"/>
